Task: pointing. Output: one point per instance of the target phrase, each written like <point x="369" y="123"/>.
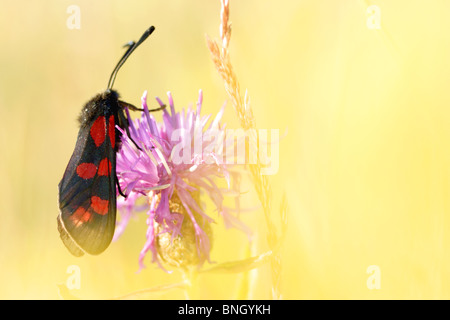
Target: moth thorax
<point x="182" y="251"/>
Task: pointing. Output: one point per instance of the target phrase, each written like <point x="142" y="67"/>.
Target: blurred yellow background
<point x="364" y="163"/>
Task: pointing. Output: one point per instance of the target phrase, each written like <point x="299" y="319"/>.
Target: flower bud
<point x="182" y="251"/>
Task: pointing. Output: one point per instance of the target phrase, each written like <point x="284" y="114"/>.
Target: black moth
<point x="87" y="191"/>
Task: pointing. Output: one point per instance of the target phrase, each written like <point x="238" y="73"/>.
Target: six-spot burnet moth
<point x="87" y="191"/>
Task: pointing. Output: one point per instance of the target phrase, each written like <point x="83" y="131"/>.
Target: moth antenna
<point x="131" y="47"/>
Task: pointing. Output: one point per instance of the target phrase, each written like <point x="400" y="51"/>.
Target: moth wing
<point x="87" y="191"/>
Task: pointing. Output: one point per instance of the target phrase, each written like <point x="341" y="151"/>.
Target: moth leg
<point x="132" y="107"/>
<point x="157" y="109"/>
<point x="118" y="188"/>
<point x="124" y="124"/>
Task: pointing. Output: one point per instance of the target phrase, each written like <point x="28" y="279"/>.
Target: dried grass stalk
<point x="221" y="59"/>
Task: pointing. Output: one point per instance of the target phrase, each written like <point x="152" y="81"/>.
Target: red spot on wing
<point x="86" y="170"/>
<point x="99" y="205"/>
<point x="98" y="131"/>
<point x="80" y="216"/>
<point x="112" y="131"/>
<point x="104" y="168"/>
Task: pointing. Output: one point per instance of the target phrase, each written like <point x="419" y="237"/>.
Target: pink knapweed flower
<point x="170" y="164"/>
